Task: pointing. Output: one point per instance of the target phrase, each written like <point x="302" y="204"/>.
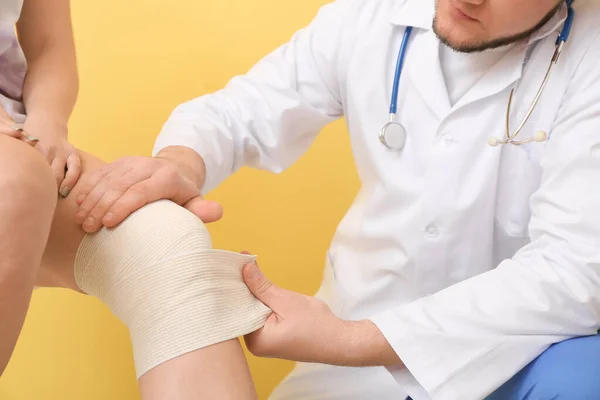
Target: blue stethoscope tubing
<point x="393" y="134"/>
<point x="399" y="66"/>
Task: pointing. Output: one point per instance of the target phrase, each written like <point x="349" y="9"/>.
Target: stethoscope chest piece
<point x="393" y="136"/>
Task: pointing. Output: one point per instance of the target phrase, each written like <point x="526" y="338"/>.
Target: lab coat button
<point x="514" y="229"/>
<point x="431" y="231"/>
<point x="447" y="140"/>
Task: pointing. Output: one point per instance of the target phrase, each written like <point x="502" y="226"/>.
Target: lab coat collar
<point x="425" y="69"/>
<point x="415" y="13"/>
<point x="510" y="68"/>
<point x="420" y="14"/>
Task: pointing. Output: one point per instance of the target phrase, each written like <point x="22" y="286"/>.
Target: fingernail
<point x="254" y="271"/>
<point x="64" y="192"/>
<point x="89" y="221"/>
<point x="108" y="217"/>
<point x="32" y="138"/>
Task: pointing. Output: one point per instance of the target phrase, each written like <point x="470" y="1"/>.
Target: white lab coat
<point x="471" y="260"/>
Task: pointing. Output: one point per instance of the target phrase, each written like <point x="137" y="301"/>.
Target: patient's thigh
<point x="65" y="235"/>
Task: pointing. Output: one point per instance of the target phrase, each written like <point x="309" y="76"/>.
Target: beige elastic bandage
<point x="158" y="273"/>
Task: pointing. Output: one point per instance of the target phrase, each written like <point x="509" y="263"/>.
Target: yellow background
<point x="138" y="59"/>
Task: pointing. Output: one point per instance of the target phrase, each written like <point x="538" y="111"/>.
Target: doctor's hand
<point x="303" y="328"/>
<point x="110" y="194"/>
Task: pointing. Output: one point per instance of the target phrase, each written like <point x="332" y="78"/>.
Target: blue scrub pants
<point x="569" y="370"/>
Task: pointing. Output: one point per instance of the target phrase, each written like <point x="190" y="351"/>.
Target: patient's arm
<point x="219" y="371"/>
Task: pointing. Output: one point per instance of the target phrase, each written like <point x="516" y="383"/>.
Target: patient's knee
<point x="159" y="275"/>
<point x="26" y="179"/>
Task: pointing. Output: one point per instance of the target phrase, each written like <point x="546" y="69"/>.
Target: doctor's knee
<point x="566" y="370"/>
<point x="570" y="368"/>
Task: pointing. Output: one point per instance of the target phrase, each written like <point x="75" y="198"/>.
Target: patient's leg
<point x="159" y="241"/>
<point x="26" y="206"/>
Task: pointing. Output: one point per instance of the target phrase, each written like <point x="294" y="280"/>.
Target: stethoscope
<point x="393" y="134"/>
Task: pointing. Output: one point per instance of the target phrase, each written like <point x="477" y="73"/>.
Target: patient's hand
<point x="48" y="139"/>
<point x="113" y="192"/>
<point x="9" y="128"/>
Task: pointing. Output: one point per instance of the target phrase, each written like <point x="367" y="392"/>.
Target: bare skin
<point x="476" y="25"/>
<point x="26" y="206"/>
<point x="216" y="372"/>
<point x="38" y="234"/>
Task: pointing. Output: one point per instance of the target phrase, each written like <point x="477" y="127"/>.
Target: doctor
<point x="469" y="263"/>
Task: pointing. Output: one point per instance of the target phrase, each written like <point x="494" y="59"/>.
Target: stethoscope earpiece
<point x="393" y="134"/>
<point x="540" y="136"/>
<point x="493" y="141"/>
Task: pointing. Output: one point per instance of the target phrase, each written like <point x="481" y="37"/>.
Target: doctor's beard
<point x="474" y="47"/>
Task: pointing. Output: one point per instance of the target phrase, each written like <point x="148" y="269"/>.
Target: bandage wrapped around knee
<point x="158" y="273"/>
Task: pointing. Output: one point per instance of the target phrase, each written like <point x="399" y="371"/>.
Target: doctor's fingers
<point x="161" y="185"/>
<point x="94" y="188"/>
<point x="96" y="216"/>
<point x="274" y="297"/>
<point x="87" y="185"/>
<point x="208" y="211"/>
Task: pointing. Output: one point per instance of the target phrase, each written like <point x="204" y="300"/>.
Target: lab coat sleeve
<point x="268" y="117"/>
<point x="467" y="340"/>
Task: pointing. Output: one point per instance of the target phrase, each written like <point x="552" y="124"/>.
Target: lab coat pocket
<point x="518" y="178"/>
